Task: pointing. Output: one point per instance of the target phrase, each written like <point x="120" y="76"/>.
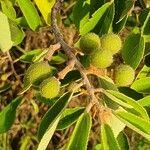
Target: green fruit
<point x="124" y="75"/>
<point x="111" y="42"/>
<point x="37" y="72"/>
<point x="90" y="43"/>
<point x="50" y="87"/>
<point x="101" y="59"/>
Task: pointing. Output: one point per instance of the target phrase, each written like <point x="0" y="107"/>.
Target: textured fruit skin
<point x="90" y="43"/>
<point x="124" y="75"/>
<point x="50" y="87"/>
<point x="101" y="59"/>
<point x="37" y="72"/>
<point x="111" y="42"/>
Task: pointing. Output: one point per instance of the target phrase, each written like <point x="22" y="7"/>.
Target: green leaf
<point x="58" y="59"/>
<point x="107" y="138"/>
<point x="116" y="125"/>
<point x="118" y="26"/>
<point x="127" y="102"/>
<point x="147" y="61"/>
<point x="68" y="117"/>
<point x="82" y="6"/>
<point x="17" y="35"/>
<point x="146" y="25"/>
<point x="133" y="50"/>
<point x="8" y="9"/>
<point x="8" y="115"/>
<point x="122" y="9"/>
<point x="128" y="4"/>
<point x="107" y="84"/>
<point x="145" y="101"/>
<point x="5" y="34"/>
<point x="98" y="147"/>
<point x="123" y="141"/>
<point x="135" y="122"/>
<point x="44" y="100"/>
<point x="143" y="72"/>
<point x="45" y="8"/>
<point x="130" y="93"/>
<point x="30" y="13"/>
<point x="80" y="135"/>
<point x="48" y="135"/>
<point x="101" y="27"/>
<point x="28" y="56"/>
<point x="142" y="85"/>
<point x="22" y="22"/>
<point x="143" y="15"/>
<point x="91" y="23"/>
<point x="71" y="76"/>
<point x="53" y="113"/>
<point x="147" y="49"/>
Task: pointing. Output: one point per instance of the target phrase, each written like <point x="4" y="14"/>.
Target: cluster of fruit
<point x="41" y="74"/>
<point x="100" y="52"/>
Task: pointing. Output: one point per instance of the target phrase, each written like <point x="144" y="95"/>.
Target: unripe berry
<point x="124" y="75"/>
<point x="111" y="42"/>
<point x="50" y="87"/>
<point x="101" y="59"/>
<point x="37" y="72"/>
<point x="90" y="43"/>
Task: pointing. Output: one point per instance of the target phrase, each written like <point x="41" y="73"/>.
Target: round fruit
<point x="90" y="43"/>
<point x="50" y="87"/>
<point x="111" y="42"/>
<point x="37" y="72"/>
<point x="101" y="59"/>
<point x="124" y="75"/>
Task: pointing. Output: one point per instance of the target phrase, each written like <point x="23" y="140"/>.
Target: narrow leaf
<point x="17" y="35"/>
<point x="82" y="6"/>
<point x="80" y="135"/>
<point x="123" y="141"/>
<point x="8" y="9"/>
<point x="116" y="125"/>
<point x="5" y="34"/>
<point x="28" y="56"/>
<point x="45" y="8"/>
<point x="107" y="84"/>
<point x="143" y="72"/>
<point x="8" y="115"/>
<point x="101" y="27"/>
<point x="146" y="25"/>
<point x="130" y="92"/>
<point x="127" y="102"/>
<point x="53" y="113"/>
<point x="108" y="140"/>
<point x="48" y="135"/>
<point x="88" y="26"/>
<point x="30" y="13"/>
<point x="145" y="102"/>
<point x="133" y="50"/>
<point x="134" y="122"/>
<point x="68" y="117"/>
<point x="142" y="85"/>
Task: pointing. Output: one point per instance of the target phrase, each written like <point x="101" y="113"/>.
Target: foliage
<point x="108" y="34"/>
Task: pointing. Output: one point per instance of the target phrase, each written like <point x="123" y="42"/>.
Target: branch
<point x="51" y="51"/>
<point x="69" y="52"/>
<point x="68" y="68"/>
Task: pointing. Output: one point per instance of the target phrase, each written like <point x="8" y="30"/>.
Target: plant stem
<point x="69" y="52"/>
